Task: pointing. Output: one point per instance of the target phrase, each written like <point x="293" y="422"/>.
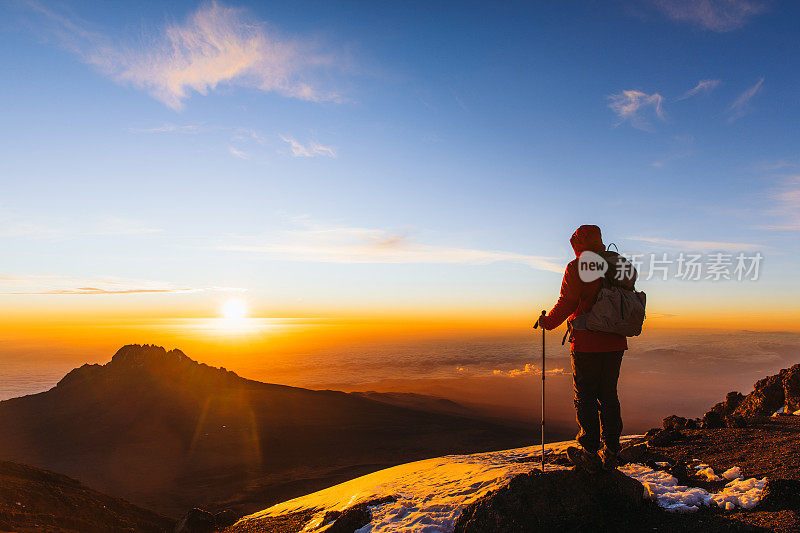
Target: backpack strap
<point x="567" y="333"/>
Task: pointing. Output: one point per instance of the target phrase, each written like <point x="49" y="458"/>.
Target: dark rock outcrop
<point x="665" y="437"/>
<point x="674" y="422"/>
<point x="791" y="388"/>
<point x="769" y="395"/>
<point x="632" y="453"/>
<point x="351" y="519"/>
<point x="732" y="401"/>
<point x="354" y="517"/>
<point x="712" y="420"/>
<point x="780" y="494"/>
<point x="562" y="500"/>
<point x="772" y="393"/>
<point x="196" y="521"/>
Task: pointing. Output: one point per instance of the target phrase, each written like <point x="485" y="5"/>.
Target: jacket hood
<point x="587" y="237"/>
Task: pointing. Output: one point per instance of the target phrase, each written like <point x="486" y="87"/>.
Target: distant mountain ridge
<point x="168" y="433"/>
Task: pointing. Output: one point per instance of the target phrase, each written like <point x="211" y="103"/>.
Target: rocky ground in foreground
<point x="769" y="447"/>
<point x="752" y="432"/>
<point x="570" y="500"/>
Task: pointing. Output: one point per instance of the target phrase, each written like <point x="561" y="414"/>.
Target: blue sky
<point x="416" y="156"/>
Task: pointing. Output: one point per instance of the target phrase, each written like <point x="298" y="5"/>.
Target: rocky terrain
<point x="735" y="469"/>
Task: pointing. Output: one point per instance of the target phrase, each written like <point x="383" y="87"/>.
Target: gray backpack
<point x="619" y="307"/>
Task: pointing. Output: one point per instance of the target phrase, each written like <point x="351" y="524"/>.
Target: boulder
<point x="766" y="398"/>
<point x="712" y="420"/>
<point x="732" y="401"/>
<point x="665" y="437"/>
<point x="562" y="500"/>
<point x="350" y="520"/>
<point x="354" y="517"/>
<point x="780" y="494"/>
<point x="196" y="521"/>
<point x="632" y="453"/>
<point x="674" y="422"/>
<point x="651" y="432"/>
<point x="791" y="388"/>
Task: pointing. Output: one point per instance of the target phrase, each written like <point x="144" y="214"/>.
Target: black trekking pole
<point x="535" y="326"/>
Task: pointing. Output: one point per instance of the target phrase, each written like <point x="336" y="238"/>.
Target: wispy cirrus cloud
<point x="702" y="87"/>
<point x="170" y="128"/>
<point x="43" y="284"/>
<point x="741" y="106"/>
<point x="715" y="15"/>
<point x="312" y="149"/>
<point x="338" y="244"/>
<point x="631" y="106"/>
<point x="688" y="245"/>
<point x="17" y="225"/>
<point x="235" y="152"/>
<point x="785" y="207"/>
<point x="216" y="45"/>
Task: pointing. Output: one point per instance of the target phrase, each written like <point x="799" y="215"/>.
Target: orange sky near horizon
<point x="105" y="332"/>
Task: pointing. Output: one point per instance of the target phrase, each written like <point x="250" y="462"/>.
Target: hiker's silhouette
<point x="596" y="359"/>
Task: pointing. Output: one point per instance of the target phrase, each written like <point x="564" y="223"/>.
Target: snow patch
<point x="664" y="489"/>
<point x="732" y="473"/>
<point x="430" y="493"/>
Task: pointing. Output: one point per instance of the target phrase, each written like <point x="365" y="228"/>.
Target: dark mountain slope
<point x="168" y="433"/>
<point x="36" y="500"/>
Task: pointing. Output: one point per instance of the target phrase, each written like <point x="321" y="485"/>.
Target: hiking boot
<point x="610" y="459"/>
<point x="585" y="460"/>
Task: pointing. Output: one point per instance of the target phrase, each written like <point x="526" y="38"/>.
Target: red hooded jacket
<point x="577" y="297"/>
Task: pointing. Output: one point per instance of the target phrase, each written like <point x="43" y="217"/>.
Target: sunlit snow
<point x="430" y="494"/>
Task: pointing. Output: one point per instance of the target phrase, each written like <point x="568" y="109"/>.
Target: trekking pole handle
<point x="536" y="325"/>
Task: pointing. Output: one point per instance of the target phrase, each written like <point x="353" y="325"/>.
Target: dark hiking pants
<point x="595" y="375"/>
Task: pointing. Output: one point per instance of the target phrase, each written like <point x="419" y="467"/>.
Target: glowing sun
<point x="234" y="310"/>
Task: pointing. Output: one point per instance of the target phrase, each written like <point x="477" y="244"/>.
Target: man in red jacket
<point x="596" y="360"/>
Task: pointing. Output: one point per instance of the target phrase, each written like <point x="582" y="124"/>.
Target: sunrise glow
<point x="234" y="310"/>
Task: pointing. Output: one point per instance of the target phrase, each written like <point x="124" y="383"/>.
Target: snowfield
<point x="430" y="494"/>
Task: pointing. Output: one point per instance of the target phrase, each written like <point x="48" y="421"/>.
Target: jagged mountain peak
<point x="145" y="360"/>
<point x="143" y="354"/>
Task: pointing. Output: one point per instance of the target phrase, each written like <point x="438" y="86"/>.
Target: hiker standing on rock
<point x="596" y="355"/>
